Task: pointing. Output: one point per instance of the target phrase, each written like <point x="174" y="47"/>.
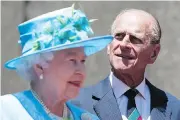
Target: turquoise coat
<point x="33" y="109"/>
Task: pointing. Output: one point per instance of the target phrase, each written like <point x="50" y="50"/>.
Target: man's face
<point x="131" y="49"/>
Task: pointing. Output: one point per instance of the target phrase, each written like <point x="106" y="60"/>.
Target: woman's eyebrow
<point x="73" y="54"/>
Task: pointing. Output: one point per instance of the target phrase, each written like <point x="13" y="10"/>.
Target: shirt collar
<point x="120" y="88"/>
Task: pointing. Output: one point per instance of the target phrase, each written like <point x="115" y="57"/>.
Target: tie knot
<point x="131" y="93"/>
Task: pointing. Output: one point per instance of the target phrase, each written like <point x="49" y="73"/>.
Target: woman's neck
<point x="50" y="101"/>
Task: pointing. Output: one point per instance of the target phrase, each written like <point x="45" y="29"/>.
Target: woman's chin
<point x="73" y="93"/>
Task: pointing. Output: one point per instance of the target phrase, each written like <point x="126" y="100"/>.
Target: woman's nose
<point x="80" y="67"/>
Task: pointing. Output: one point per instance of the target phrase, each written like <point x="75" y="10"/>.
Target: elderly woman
<point x="54" y="50"/>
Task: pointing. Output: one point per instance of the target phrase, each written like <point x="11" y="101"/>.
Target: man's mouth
<point x="125" y="56"/>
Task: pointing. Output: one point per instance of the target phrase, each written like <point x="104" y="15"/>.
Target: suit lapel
<point x="106" y="107"/>
<point x="104" y="102"/>
<point x="158" y="114"/>
<point x="158" y="103"/>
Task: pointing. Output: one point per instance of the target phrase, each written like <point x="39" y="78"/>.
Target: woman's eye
<point x="83" y="61"/>
<point x="73" y="60"/>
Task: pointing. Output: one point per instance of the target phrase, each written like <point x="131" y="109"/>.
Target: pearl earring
<point x="41" y="77"/>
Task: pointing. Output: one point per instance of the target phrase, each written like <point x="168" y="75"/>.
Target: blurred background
<point x="165" y="73"/>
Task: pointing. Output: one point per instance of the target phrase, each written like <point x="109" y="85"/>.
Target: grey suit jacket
<point x="100" y="100"/>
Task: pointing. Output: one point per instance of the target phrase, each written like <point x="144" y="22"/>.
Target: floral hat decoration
<point x="58" y="30"/>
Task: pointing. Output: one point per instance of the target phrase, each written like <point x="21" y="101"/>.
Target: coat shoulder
<point x="174" y="106"/>
<point x="172" y="99"/>
<point x="85" y="98"/>
<point x="88" y="91"/>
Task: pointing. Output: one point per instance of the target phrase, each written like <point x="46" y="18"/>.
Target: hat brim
<point x="91" y="46"/>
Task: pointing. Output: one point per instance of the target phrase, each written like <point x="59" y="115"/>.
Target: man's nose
<point x="125" y="43"/>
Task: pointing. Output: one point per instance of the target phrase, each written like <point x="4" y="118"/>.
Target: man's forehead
<point x="137" y="13"/>
<point x="132" y="22"/>
<point x="134" y="18"/>
<point x="130" y="25"/>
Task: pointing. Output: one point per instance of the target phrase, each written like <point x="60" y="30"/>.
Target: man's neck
<point x="131" y="80"/>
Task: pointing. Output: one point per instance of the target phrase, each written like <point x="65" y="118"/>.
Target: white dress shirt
<point x="142" y="99"/>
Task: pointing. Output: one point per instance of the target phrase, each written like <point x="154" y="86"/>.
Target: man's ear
<point x="155" y="53"/>
<point x="108" y="49"/>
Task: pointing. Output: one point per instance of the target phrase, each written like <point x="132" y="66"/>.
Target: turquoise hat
<point x="57" y="30"/>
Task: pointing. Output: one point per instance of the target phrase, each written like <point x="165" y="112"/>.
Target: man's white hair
<point x="155" y="32"/>
<point x="25" y="67"/>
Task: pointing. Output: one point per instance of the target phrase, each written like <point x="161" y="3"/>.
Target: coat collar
<point x="102" y="88"/>
<point x="104" y="101"/>
<point x="158" y="97"/>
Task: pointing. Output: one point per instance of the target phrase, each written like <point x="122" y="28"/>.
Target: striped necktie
<point x="132" y="112"/>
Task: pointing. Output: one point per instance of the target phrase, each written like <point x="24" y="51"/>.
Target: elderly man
<point x="126" y="93"/>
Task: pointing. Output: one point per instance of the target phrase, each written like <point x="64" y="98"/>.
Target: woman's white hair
<point x="25" y="67"/>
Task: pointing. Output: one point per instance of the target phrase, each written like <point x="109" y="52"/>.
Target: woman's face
<point x="65" y="74"/>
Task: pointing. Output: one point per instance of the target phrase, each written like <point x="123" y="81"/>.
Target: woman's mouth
<point x="75" y="83"/>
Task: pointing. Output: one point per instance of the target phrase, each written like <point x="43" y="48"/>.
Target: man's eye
<point x="135" y="40"/>
<point x="119" y="36"/>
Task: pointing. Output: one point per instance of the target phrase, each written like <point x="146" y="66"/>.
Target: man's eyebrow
<point x="132" y="34"/>
<point x="137" y="36"/>
<point x="118" y="31"/>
